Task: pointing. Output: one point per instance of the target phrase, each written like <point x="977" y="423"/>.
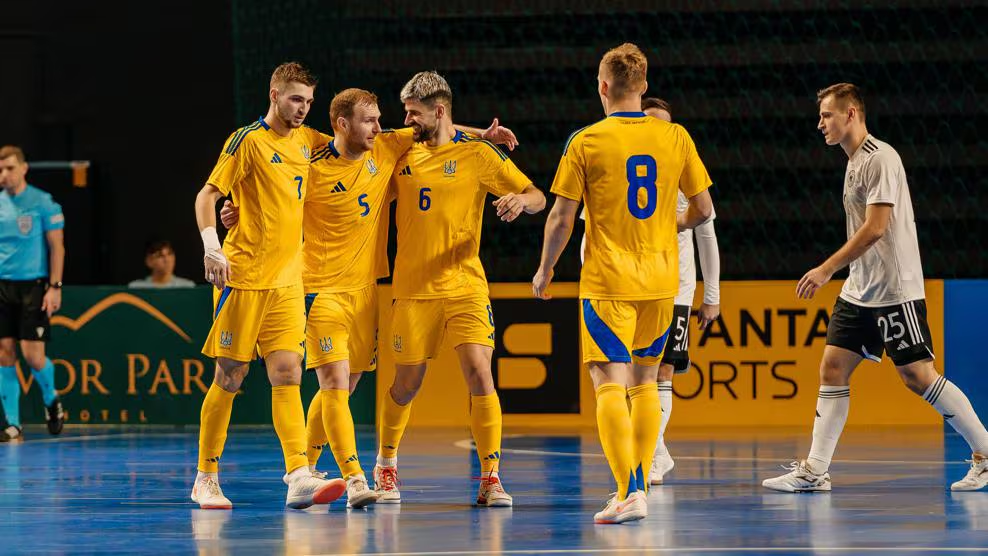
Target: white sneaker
<point x="632" y="508"/>
<point x="799" y="479"/>
<point x="304" y="490"/>
<point x="358" y="494"/>
<point x="491" y="493"/>
<point x="386" y="485"/>
<point x="207" y="493"/>
<point x="12" y="434"/>
<point x="977" y="475"/>
<point x="661" y="464"/>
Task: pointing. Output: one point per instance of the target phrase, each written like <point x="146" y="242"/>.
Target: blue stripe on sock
<point x="603" y="336"/>
<point x="10" y="395"/>
<point x="640" y="478"/>
<point x="45" y="377"/>
<point x="632" y="486"/>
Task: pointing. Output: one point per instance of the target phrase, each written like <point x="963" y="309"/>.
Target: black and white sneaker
<point x="56" y="417"/>
<point x="11" y="434"/>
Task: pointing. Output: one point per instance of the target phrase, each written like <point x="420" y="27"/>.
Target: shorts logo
<point x="449" y="167"/>
<point x="397" y="343"/>
<point x="326" y="344"/>
<point x="371" y="167"/>
<point x="41" y="331"/>
<point x="25" y="224"/>
<point x="226" y="339"/>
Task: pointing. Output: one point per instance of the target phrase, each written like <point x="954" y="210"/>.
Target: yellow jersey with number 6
<point x="266" y="175"/>
<point x="442" y="192"/>
<point x="628" y="170"/>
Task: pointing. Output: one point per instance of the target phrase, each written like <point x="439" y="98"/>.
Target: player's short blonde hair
<point x="292" y="72"/>
<point x="8" y="151"/>
<point x="626" y="66"/>
<point x="345" y="101"/>
<point x="844" y="94"/>
<point x="428" y="87"/>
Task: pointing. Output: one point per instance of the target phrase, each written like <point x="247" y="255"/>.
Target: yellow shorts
<point x="624" y="331"/>
<point x="342" y="326"/>
<point x="419" y="325"/>
<point x="257" y="322"/>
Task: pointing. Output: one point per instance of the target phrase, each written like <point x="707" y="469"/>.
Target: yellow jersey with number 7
<point x="266" y="175"/>
<point x="628" y="169"/>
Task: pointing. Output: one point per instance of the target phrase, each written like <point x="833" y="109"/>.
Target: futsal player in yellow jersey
<point x="345" y="225"/>
<point x="439" y="284"/>
<point x="265" y="167"/>
<point x="627" y="169"/>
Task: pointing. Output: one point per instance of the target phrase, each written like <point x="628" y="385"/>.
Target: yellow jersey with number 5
<point x="346" y="215"/>
<point x="628" y="170"/>
<point x="266" y="175"/>
<point x="442" y="192"/>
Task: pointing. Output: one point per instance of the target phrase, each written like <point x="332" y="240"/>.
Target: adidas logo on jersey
<point x="406" y="171"/>
<point x="276" y="159"/>
<point x="340" y="188"/>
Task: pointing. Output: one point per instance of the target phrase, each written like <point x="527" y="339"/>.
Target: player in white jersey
<point x="882" y="305"/>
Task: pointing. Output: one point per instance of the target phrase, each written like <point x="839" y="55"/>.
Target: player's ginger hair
<point x="8" y="151"/>
<point x="844" y="94"/>
<point x="627" y="67"/>
<point x="428" y="87"/>
<point x="292" y="72"/>
<point x="344" y="102"/>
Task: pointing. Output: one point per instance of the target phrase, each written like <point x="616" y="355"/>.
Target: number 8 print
<point x="636" y="182"/>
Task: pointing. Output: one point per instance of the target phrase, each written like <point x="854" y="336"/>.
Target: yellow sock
<point x="394" y="419"/>
<point x="646" y="416"/>
<point x="485" y="423"/>
<point x="315" y="432"/>
<point x="614" y="427"/>
<point x="338" y="420"/>
<point x="214" y="420"/>
<point x="289" y="423"/>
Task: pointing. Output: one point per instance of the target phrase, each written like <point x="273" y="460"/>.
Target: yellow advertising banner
<point x="757" y="365"/>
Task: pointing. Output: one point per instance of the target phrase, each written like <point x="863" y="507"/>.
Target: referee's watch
<point x="55" y="285"/>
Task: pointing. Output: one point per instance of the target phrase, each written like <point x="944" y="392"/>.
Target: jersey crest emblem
<point x="306" y="152"/>
<point x="449" y="167"/>
<point x="25" y="224"/>
<point x="371" y="167"/>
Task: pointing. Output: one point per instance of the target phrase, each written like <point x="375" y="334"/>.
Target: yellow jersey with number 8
<point x="628" y="170"/>
<point x="266" y="175"/>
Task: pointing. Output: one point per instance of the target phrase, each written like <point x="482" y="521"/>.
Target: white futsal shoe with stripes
<point x="977" y="475"/>
<point x="207" y="493"/>
<point x="800" y="478"/>
<point x="662" y="463"/>
<point x="632" y="508"/>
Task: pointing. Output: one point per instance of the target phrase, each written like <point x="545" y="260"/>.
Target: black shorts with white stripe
<point x="901" y="330"/>
<point x="677" y="352"/>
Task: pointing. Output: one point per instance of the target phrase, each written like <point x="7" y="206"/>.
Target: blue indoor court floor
<point x="102" y="490"/>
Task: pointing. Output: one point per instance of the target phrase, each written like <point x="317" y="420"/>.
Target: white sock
<point x="300" y="472"/>
<point x="956" y="409"/>
<point x="665" y="401"/>
<point x="832" y="405"/>
<point x="387" y="462"/>
<point x="202" y="474"/>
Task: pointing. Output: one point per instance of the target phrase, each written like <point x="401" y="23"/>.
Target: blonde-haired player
<point x="265" y="167"/>
<point x="345" y="225"/>
<point x="627" y="168"/>
<point x="439" y="283"/>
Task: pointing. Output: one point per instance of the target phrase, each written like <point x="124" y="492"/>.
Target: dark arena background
<point x="123" y="108"/>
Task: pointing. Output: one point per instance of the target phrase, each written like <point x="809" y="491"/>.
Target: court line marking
<point x="660" y="549"/>
<point x="467" y="444"/>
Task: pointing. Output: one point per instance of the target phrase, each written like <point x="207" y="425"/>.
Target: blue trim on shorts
<point x="603" y="336"/>
<point x="656" y="348"/>
<point x="223" y="298"/>
<point x="310" y="298"/>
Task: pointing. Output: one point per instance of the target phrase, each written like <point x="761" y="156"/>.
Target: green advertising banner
<point x="126" y="356"/>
